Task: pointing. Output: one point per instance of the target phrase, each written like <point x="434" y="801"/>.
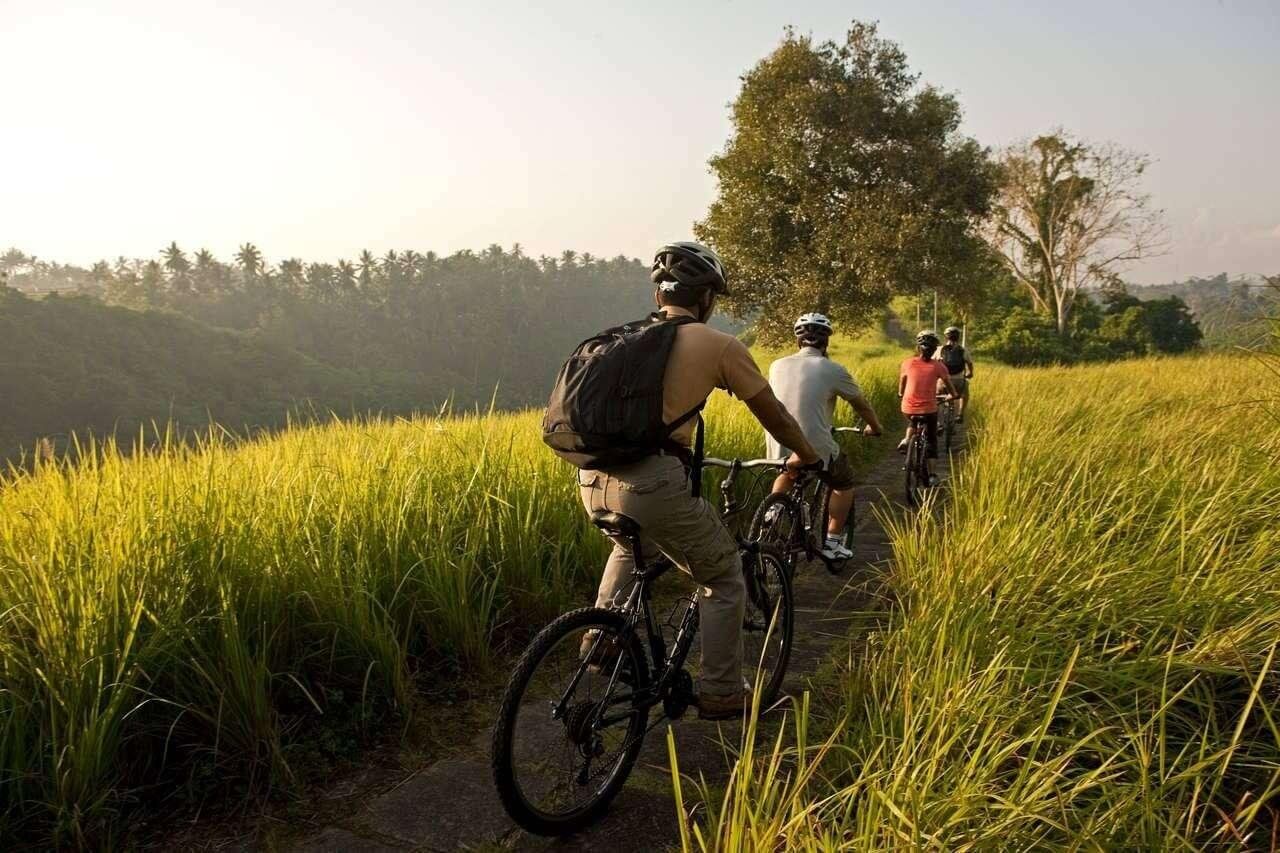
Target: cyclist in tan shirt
<point x="656" y="491"/>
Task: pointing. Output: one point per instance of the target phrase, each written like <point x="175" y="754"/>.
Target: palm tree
<point x="345" y="278"/>
<point x="175" y="260"/>
<point x="291" y="276"/>
<point x="12" y="259"/>
<point x="320" y="282"/>
<point x="178" y="267"/>
<point x="367" y="266"/>
<point x="152" y="283"/>
<point x="250" y="260"/>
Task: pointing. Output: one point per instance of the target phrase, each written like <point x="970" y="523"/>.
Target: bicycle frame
<point x="638" y="607"/>
<point x="813" y="514"/>
<point x="638" y="610"/>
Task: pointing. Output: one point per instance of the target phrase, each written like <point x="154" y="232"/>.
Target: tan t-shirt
<point x="703" y="359"/>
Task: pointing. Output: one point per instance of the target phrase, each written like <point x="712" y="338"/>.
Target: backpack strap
<point x="695" y="467"/>
<point x="694" y="462"/>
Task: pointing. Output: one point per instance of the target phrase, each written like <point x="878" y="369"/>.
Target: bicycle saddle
<point x="615" y="523"/>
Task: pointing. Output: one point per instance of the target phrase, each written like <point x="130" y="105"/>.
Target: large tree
<point x="845" y="181"/>
<point x="1070" y="216"/>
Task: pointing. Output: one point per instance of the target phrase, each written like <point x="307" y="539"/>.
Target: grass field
<point x="215" y="620"/>
<point x="1082" y="646"/>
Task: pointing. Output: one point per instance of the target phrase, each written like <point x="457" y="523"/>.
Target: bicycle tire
<point x="912" y="473"/>
<point x="785" y="531"/>
<point x="819" y="514"/>
<point x="510" y="790"/>
<point x="769" y="577"/>
<point x="950" y="427"/>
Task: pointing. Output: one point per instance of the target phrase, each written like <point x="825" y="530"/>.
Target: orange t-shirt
<point x="921" y="394"/>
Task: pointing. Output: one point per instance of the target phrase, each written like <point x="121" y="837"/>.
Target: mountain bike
<point x="796" y="520"/>
<point x="946" y="420"/>
<point x="916" y="468"/>
<point x="576" y="710"/>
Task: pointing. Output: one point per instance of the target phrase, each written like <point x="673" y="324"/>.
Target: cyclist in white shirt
<point x="808" y="383"/>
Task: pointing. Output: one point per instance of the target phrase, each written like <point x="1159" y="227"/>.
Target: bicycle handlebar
<point x="713" y="462"/>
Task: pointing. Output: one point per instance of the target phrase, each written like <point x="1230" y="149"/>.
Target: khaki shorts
<point x="840" y="473"/>
<point x="959" y="381"/>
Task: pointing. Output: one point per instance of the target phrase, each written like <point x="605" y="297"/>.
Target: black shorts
<point x="930" y="431"/>
<point x="839" y="474"/>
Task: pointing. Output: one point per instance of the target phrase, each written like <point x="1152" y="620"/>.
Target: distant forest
<point x="1230" y="312"/>
<point x="191" y="338"/>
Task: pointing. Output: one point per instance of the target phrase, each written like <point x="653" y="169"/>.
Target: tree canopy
<point x="845" y="181"/>
<point x="403" y="332"/>
<point x="1069" y="216"/>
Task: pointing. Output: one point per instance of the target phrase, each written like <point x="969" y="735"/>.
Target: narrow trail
<point x="452" y="804"/>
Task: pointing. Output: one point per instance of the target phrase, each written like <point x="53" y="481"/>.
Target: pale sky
<point x="316" y="129"/>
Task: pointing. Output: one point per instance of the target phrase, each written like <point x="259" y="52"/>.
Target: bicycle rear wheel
<point x="570" y="725"/>
<point x="777" y="523"/>
<point x="769" y="621"/>
<point x="912" y="470"/>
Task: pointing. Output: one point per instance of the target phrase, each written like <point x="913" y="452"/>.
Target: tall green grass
<point x="1082" y="652"/>
<point x="190" y="618"/>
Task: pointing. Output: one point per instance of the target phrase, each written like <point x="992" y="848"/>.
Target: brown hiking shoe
<point x="715" y="707"/>
<point x="602" y="660"/>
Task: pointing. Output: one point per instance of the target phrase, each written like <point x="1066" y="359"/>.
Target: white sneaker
<point x="834" y="549"/>
<point x="772" y="515"/>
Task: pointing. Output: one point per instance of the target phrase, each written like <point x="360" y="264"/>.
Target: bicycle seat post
<point x="623" y="531"/>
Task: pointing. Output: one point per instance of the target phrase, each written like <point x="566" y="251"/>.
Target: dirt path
<point x="452" y="804"/>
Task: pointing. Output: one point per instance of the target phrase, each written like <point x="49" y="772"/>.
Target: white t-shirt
<point x="808" y="384"/>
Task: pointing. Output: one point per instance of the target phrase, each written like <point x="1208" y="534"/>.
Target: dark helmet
<point x="928" y="338"/>
<point x="688" y="264"/>
<point x="951" y="333"/>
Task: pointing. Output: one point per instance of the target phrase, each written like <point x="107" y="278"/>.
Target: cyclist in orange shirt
<point x="918" y="387"/>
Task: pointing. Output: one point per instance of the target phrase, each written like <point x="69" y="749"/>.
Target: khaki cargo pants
<point x="655" y="493"/>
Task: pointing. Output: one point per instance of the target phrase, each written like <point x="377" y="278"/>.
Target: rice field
<point x="192" y="621"/>
<point x="1078" y="651"/>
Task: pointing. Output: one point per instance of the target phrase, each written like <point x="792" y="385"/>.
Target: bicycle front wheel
<point x="777" y="523"/>
<point x="769" y="622"/>
<point x="571" y="722"/>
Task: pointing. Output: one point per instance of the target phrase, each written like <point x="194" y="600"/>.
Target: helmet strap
<point x="706" y="305"/>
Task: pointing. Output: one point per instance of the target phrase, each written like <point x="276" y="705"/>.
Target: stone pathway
<point x="452" y="804"/>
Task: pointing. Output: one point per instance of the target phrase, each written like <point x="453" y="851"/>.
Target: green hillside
<point x="73" y="364"/>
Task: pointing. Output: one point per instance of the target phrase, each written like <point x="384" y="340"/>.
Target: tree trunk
<point x="1063" y="313"/>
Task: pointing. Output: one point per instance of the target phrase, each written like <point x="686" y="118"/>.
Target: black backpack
<point x="606" y="407"/>
<point x="953" y="358"/>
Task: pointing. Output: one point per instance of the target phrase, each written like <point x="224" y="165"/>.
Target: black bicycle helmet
<point x="688" y="264"/>
<point x="952" y="332"/>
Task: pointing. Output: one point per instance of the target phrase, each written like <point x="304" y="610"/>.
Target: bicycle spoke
<point x="556" y="759"/>
<point x="768" y="625"/>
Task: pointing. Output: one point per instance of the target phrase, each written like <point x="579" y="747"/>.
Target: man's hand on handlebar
<point x="796" y="464"/>
<point x="871" y="431"/>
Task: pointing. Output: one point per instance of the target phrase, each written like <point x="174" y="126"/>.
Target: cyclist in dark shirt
<point x="959" y="366"/>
